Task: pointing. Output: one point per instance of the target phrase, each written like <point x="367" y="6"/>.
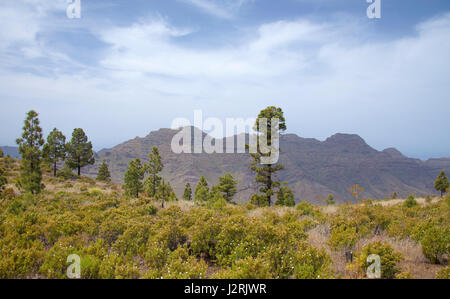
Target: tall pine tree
<point x="265" y="173"/>
<point x="79" y="151"/>
<point x="103" y="174"/>
<point x="133" y="178"/>
<point x="153" y="168"/>
<point x="55" y="148"/>
<point x="30" y="148"/>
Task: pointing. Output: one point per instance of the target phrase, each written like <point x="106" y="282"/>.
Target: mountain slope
<point x="314" y="169"/>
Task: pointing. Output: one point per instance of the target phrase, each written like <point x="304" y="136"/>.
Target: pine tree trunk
<point x="54" y="169"/>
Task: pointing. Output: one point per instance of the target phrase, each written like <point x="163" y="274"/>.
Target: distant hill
<point x="13" y="151"/>
<point x="314" y="169"/>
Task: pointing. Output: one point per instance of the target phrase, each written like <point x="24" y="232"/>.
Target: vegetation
<point x="389" y="259"/>
<point x="79" y="151"/>
<point x="187" y="195"/>
<point x="410" y="202"/>
<point x="133" y="178"/>
<point x="3" y="180"/>
<point x="330" y="200"/>
<point x="128" y="233"/>
<point x="441" y="184"/>
<point x="227" y="185"/>
<point x="201" y="193"/>
<point x="116" y="237"/>
<point x="265" y="173"/>
<point x="285" y="197"/>
<point x="55" y="148"/>
<point x="103" y="174"/>
<point x="165" y="193"/>
<point x="153" y="168"/>
<point x="30" y="148"/>
<point x="436" y="243"/>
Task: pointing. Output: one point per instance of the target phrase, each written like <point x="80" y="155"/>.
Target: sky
<point x="126" y="68"/>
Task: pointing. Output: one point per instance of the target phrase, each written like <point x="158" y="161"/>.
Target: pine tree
<point x="30" y="148"/>
<point x="227" y="185"/>
<point x="79" y="151"/>
<point x="441" y="184"/>
<point x="265" y="174"/>
<point x="153" y="168"/>
<point x="187" y="192"/>
<point x="103" y="174"/>
<point x="1" y="153"/>
<point x="165" y="192"/>
<point x="285" y="197"/>
<point x="201" y="193"/>
<point x="55" y="148"/>
<point x="133" y="178"/>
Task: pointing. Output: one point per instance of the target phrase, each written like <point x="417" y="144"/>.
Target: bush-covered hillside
<point x="120" y="237"/>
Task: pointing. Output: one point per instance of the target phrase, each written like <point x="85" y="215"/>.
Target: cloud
<point x="328" y="76"/>
<point x="221" y="9"/>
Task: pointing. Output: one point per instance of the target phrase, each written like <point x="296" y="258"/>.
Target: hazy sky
<point x="126" y="68"/>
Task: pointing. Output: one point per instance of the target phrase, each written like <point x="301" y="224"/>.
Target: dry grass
<point x="385" y="203"/>
<point x="280" y="211"/>
<point x="183" y="204"/>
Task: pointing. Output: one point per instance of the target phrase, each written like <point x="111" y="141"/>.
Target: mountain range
<point x="313" y="169"/>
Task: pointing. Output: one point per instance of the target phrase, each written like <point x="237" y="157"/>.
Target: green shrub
<point x="95" y="192"/>
<point x="180" y="265"/>
<point x="66" y="174"/>
<point x="410" y="202"/>
<point x="247" y="268"/>
<point x="311" y="263"/>
<point x="151" y="210"/>
<point x="55" y="264"/>
<point x="342" y="237"/>
<point x="436" y="243"/>
<point x="305" y="207"/>
<point x="114" y="266"/>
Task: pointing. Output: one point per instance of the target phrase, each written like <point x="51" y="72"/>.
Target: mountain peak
<point x="393" y="152"/>
<point x="345" y="138"/>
